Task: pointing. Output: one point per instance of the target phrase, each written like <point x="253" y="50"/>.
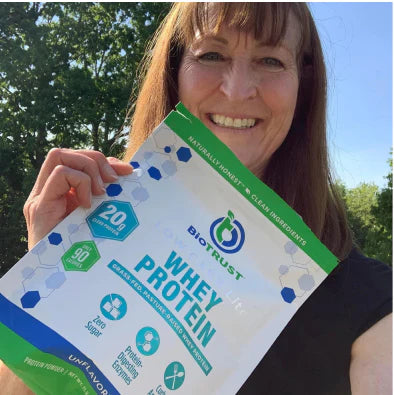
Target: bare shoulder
<point x="10" y="384"/>
<point x="371" y="360"/>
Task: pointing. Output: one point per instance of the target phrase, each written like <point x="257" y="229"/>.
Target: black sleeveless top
<point x="312" y="354"/>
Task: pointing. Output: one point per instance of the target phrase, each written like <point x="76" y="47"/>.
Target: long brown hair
<point x="299" y="170"/>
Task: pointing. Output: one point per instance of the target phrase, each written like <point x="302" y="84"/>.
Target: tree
<point x="66" y="74"/>
<point x="369" y="212"/>
<point x="383" y="213"/>
<point x="66" y="71"/>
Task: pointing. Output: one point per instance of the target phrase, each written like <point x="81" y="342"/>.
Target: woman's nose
<point x="239" y="83"/>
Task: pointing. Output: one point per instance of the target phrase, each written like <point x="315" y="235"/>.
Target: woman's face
<point x="242" y="90"/>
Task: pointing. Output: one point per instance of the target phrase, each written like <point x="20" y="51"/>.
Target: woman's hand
<point x="67" y="179"/>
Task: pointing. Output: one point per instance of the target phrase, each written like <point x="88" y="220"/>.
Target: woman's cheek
<point x="280" y="93"/>
<point x="205" y="78"/>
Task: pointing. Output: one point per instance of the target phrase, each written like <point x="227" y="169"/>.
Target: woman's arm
<point x="10" y="384"/>
<point x="371" y="360"/>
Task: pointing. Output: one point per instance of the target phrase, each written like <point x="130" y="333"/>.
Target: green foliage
<point x="66" y="74"/>
<point x="369" y="212"/>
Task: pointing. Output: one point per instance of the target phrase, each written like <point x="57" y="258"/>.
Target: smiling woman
<point x="243" y="90"/>
<point x="254" y="74"/>
<point x="259" y="63"/>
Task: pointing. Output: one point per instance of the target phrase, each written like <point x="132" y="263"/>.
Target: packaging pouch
<point x="178" y="279"/>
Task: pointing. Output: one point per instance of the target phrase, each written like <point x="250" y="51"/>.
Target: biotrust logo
<point x="227" y="234"/>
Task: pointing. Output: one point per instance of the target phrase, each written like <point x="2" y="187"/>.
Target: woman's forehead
<point x="226" y="31"/>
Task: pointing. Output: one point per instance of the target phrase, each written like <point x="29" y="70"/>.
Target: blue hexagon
<point x="55" y="280"/>
<point x="288" y="294"/>
<point x="55" y="238"/>
<point x="39" y="248"/>
<point x="30" y="299"/>
<point x="140" y="194"/>
<point x="135" y="165"/>
<point x="154" y="173"/>
<point x="184" y="154"/>
<point x="113" y="220"/>
<point x="114" y="190"/>
<point x="169" y="167"/>
<point x="167" y="149"/>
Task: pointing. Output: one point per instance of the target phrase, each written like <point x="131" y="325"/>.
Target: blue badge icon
<point x="227" y="234"/>
<point x="113" y="307"/>
<point x="174" y="375"/>
<point x="113" y="220"/>
<point x="147" y="340"/>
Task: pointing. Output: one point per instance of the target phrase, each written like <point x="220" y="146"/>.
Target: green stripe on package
<point x="179" y="278"/>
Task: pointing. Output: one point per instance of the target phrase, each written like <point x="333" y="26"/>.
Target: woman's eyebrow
<point x="280" y="45"/>
<point x="212" y="37"/>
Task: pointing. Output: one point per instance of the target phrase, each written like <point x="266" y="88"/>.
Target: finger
<point x="72" y="201"/>
<point x="121" y="168"/>
<point x="72" y="159"/>
<point x="106" y="170"/>
<point x="61" y="180"/>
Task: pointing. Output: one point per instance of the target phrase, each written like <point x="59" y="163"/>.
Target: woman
<point x="254" y="74"/>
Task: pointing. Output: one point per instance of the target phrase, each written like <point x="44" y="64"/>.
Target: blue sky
<point x="357" y="42"/>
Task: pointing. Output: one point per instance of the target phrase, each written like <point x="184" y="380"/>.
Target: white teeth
<point x="233" y="122"/>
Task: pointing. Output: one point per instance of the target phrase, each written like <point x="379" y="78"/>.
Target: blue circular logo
<point x="174" y="375"/>
<point x="147" y="340"/>
<point x="227" y="234"/>
<point x="113" y="307"/>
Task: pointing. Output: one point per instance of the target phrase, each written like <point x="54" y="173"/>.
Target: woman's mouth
<point x="233" y="123"/>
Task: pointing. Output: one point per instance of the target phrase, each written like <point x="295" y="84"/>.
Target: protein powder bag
<point x="179" y="279"/>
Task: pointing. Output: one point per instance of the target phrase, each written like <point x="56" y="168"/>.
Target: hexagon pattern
<point x="163" y="161"/>
<point x="291" y="248"/>
<point x="306" y="282"/>
<point x="55" y="280"/>
<point x="27" y="272"/>
<point x="283" y="269"/>
<point x="39" y="248"/>
<point x="140" y="193"/>
<point x="184" y="154"/>
<point x="36" y="281"/>
<point x="290" y="279"/>
<point x="30" y="299"/>
<point x="154" y="173"/>
<point x="169" y="167"/>
<point x="55" y="238"/>
<point x="72" y="228"/>
<point x="288" y="294"/>
<point x="114" y="190"/>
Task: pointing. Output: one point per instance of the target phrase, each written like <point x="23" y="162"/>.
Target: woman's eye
<point x="211" y="57"/>
<point x="271" y="62"/>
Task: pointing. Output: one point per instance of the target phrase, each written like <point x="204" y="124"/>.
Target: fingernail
<point x="101" y="183"/>
<point x="110" y="172"/>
